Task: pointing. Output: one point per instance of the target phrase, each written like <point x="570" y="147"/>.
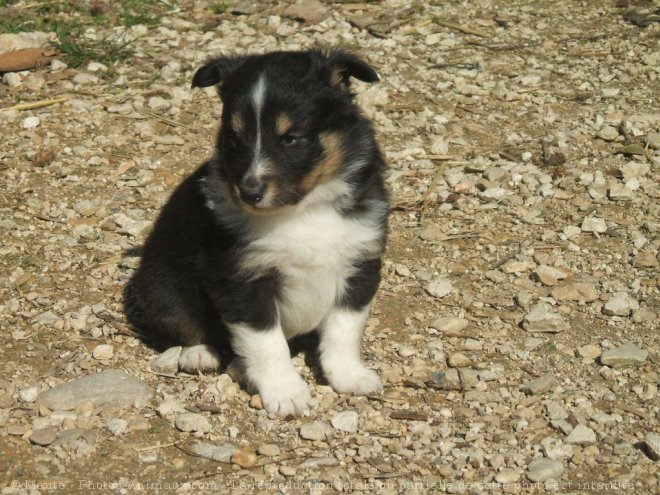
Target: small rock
<point x="191" y="422"/>
<point x="540" y="385"/>
<point x="103" y="351"/>
<point x="317" y="462"/>
<point x="642" y="315"/>
<point x="608" y="133"/>
<point x="255" y="402"/>
<point x="43" y="437"/>
<point x="653" y="142"/>
<point x="515" y="266"/>
<point x="507" y="476"/>
<point x="268" y="450"/>
<point x="544" y="469"/>
<point x="406" y="352"/>
<point x="450" y="324"/>
<point x="439" y="287"/>
<point x="12" y="79"/>
<point x="447" y="380"/>
<point x="540" y="319"/>
<point x="30" y="122"/>
<point x="85" y="78"/>
<point x="576" y="291"/>
<point x="316" y="430"/>
<point x="630" y="149"/>
<point x="620" y="304"/>
<point x="220" y="453"/>
<point x="548" y="275"/>
<point x="581" y="435"/>
<point x="168" y="361"/>
<point x="439" y="146"/>
<point x="118" y="426"/>
<point x="310" y="11"/>
<point x="590" y="351"/>
<point x="169" y="139"/>
<point x="110" y="387"/>
<point x="555" y="410"/>
<point x="458" y="360"/>
<point x="158" y="103"/>
<point x="246" y="458"/>
<point x="345" y="421"/>
<point x="652" y="444"/>
<point x="594" y="224"/>
<point x="28" y="394"/>
<point x="625" y="355"/>
<point x="287" y="471"/>
<point x="524" y="299"/>
<point x="620" y="192"/>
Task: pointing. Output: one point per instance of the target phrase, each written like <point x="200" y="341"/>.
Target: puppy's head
<point x="287" y="122"/>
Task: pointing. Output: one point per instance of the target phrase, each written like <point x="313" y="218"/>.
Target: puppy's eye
<point x="289" y="140"/>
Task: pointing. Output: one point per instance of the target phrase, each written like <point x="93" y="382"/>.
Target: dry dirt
<point x="522" y="139"/>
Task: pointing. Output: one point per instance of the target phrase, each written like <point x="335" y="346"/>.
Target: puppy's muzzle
<point x="252" y="190"/>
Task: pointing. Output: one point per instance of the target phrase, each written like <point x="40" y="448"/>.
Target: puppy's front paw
<point x="356" y="380"/>
<point x="285" y="396"/>
<point x="199" y="358"/>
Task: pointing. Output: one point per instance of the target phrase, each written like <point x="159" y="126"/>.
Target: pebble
<point x="439" y="287"/>
<point x="450" y="324"/>
<point x="169" y="139"/>
<point x="268" y="450"/>
<point x="653" y="140"/>
<point x="317" y="462"/>
<point x="581" y="435"/>
<point x="167" y="361"/>
<point x="406" y="352"/>
<point x="30" y="122"/>
<point x="117" y="426"/>
<point x="85" y="78"/>
<point x="608" y="133"/>
<point x="548" y="275"/>
<point x="287" y="471"/>
<point x="219" y="453"/>
<point x="246" y="458"/>
<point x="555" y="410"/>
<point x="576" y="291"/>
<point x="346" y="421"/>
<point x="158" y="103"/>
<point x="540" y="385"/>
<point x="544" y="469"/>
<point x="43" y="437"/>
<point x="507" y="476"/>
<point x="12" y="79"/>
<point x="191" y="422"/>
<point x="110" y="387"/>
<point x="317" y="430"/>
<point x="515" y="266"/>
<point x="652" y="444"/>
<point x="29" y="394"/>
<point x="590" y="351"/>
<point x="620" y="304"/>
<point x="540" y="319"/>
<point x="594" y="224"/>
<point x="458" y="360"/>
<point x="103" y="351"/>
<point x="625" y="355"/>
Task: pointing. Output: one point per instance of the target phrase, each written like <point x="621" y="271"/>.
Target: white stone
<point x="582" y="435"/>
<point x="439" y="146"/>
<point x="12" y="79"/>
<point x="620" y="304"/>
<point x="439" y="287"/>
<point x="29" y="394"/>
<point x="103" y="351"/>
<point x="191" y="422"/>
<point x="625" y="355"/>
<point x="594" y="224"/>
<point x="345" y="421"/>
<point x="544" y="469"/>
<point x="117" y="426"/>
<point x="30" y="122"/>
<point x="450" y="324"/>
<point x="316" y="430"/>
<point x="167" y="361"/>
<point x="84" y="78"/>
<point x="652" y="443"/>
<point x="541" y="319"/>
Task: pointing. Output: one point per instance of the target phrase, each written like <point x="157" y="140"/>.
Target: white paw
<point x="356" y="380"/>
<point x="285" y="395"/>
<point x="199" y="358"/>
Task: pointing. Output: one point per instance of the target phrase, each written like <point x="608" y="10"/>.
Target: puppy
<point x="280" y="233"/>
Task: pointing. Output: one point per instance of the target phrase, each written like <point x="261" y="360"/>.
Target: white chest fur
<point x="314" y="250"/>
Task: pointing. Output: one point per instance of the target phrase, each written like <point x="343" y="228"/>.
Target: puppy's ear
<point x="346" y="65"/>
<point x="215" y="71"/>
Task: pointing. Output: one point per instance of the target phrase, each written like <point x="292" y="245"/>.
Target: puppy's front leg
<point x="268" y="367"/>
<point x="340" y="337"/>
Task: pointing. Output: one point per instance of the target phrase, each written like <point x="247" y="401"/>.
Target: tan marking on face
<point x="283" y="124"/>
<point x="237" y="123"/>
<point x="333" y="156"/>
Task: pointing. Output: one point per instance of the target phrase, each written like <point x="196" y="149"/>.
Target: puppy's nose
<point x="252" y="190"/>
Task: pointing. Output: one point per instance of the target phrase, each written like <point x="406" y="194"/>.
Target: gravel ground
<point x="516" y="327"/>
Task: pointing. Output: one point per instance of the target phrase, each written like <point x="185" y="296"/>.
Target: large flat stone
<point x="110" y="387"/>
